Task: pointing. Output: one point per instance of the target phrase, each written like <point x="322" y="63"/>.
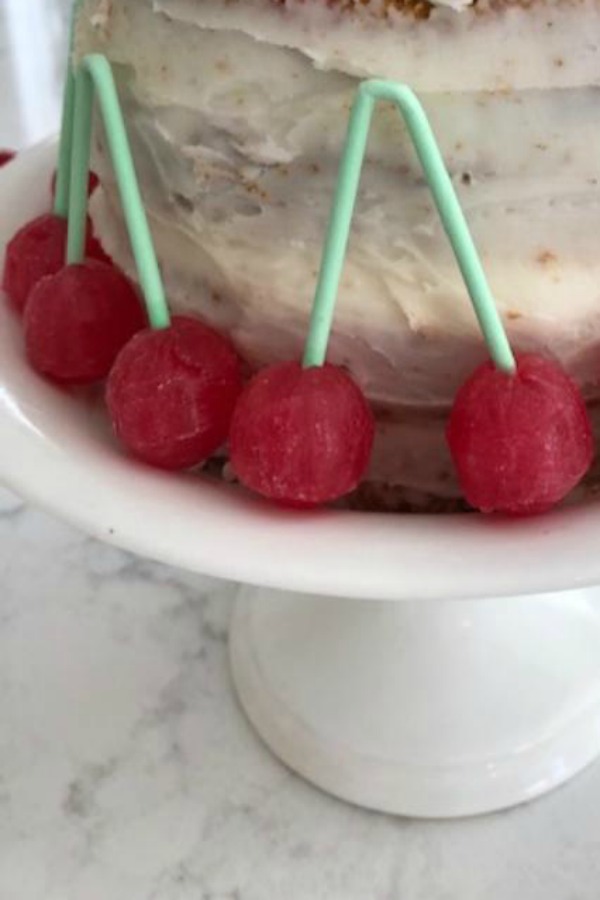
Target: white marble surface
<point x="127" y="771"/>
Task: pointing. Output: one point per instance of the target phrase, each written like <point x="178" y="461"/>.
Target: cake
<point x="237" y="111"/>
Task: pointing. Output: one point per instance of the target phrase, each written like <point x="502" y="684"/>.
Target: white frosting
<point x="237" y="139"/>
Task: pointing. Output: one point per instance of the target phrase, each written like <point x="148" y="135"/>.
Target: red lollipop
<point x="172" y="392"/>
<point x="302" y="436"/>
<point x="521" y="441"/>
<point x="6" y="156"/>
<point x="37" y="250"/>
<point x="78" y="320"/>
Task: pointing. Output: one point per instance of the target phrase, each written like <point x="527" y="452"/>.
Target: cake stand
<point x="402" y="663"/>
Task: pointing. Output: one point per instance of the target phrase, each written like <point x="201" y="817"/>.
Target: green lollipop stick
<point x="446" y="201"/>
<point x="95" y="76"/>
<point x="61" y="195"/>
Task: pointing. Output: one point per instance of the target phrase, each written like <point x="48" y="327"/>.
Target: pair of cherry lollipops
<point x="301" y="436"/>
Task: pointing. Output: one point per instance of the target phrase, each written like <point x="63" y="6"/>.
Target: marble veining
<point x="128" y="772"/>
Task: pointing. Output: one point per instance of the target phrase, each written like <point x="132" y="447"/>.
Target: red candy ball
<point x="78" y="320"/>
<point x="171" y="393"/>
<point x="519" y="442"/>
<point x="301" y="436"/>
<point x="37" y="250"/>
<point x="6" y="156"/>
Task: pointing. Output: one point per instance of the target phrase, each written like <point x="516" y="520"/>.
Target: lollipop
<point x="520" y="440"/>
<point x="172" y="391"/>
<point x="173" y="386"/>
<point x="79" y="311"/>
<point x="38" y="249"/>
<point x="302" y="435"/>
<point x="519" y="432"/>
<point x="78" y="320"/>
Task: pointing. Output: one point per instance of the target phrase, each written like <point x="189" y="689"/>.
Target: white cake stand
<point x="392" y="660"/>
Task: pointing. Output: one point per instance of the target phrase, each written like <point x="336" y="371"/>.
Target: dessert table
<point x="127" y="770"/>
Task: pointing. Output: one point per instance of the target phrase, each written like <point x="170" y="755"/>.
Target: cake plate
<point x="402" y="663"/>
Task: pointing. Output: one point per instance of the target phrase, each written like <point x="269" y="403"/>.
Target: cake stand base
<point x="433" y="709"/>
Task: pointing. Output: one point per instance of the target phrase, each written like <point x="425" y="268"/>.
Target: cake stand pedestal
<point x="423" y="708"/>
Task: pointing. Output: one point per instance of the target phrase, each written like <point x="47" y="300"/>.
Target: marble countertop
<point x="128" y="772"/>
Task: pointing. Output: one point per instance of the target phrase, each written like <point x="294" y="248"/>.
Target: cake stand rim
<point x="217" y="530"/>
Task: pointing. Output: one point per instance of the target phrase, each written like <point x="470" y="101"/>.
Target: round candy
<point x="302" y="436"/>
<point x="38" y="249"/>
<point x="6" y="156"/>
<point x="78" y="320"/>
<point x="519" y="442"/>
<point x="172" y="392"/>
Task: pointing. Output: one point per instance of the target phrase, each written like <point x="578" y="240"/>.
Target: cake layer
<point x="456" y="45"/>
<point x="252" y="102"/>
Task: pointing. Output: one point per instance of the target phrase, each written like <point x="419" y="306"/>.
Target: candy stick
<point x="446" y="202"/>
<point x="61" y="195"/>
<point x="95" y="77"/>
